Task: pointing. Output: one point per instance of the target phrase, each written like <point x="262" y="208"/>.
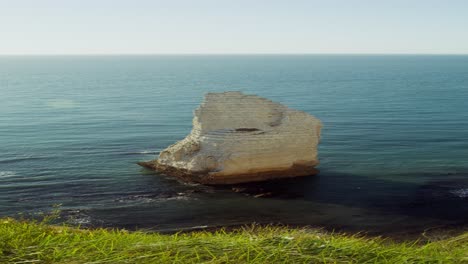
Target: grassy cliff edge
<point x="39" y="242"/>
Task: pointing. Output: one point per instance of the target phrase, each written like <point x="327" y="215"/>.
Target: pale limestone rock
<point x="242" y="138"/>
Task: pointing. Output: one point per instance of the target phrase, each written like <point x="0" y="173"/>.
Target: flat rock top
<point x="240" y="112"/>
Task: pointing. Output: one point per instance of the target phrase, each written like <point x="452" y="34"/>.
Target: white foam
<point x="7" y="174"/>
<point x="462" y="193"/>
<point x="148" y="152"/>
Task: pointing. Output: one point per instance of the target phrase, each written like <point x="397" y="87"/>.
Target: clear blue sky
<point x="236" y="26"/>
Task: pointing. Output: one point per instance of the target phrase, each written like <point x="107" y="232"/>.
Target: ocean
<point x="393" y="153"/>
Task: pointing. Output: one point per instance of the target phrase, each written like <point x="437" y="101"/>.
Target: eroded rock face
<point x="242" y="138"/>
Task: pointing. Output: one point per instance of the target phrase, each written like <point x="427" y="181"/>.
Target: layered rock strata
<point x="242" y="138"/>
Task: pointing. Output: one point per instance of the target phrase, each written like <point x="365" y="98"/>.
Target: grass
<point x="23" y="241"/>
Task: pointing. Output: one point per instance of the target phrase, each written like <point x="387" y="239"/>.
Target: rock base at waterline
<point x="205" y="178"/>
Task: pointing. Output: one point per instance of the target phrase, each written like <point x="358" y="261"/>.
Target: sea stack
<point x="240" y="138"/>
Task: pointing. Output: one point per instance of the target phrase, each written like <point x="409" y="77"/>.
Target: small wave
<point x="152" y="198"/>
<point x="21" y="158"/>
<point x="462" y="193"/>
<point x="7" y="174"/>
<point x="18" y="159"/>
<point x="84" y="220"/>
<point x="61" y="103"/>
<point x="77" y="217"/>
<point x="148" y="152"/>
<point x="142" y="152"/>
<point x="182" y="198"/>
<point x="191" y="184"/>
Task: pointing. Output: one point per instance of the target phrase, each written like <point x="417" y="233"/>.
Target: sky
<point x="233" y="27"/>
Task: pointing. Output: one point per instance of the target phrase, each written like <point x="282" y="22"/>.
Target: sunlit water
<point x="393" y="154"/>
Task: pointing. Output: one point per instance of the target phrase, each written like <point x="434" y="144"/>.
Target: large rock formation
<point x="242" y="138"/>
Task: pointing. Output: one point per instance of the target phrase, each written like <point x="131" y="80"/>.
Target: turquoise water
<point x="393" y="152"/>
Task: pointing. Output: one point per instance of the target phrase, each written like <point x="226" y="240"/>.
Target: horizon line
<point x="215" y="54"/>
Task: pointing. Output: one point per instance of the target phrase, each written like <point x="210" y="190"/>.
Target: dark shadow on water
<point x="443" y="198"/>
<point x="334" y="201"/>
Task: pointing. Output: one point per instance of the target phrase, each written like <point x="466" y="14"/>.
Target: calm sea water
<point x="393" y="154"/>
